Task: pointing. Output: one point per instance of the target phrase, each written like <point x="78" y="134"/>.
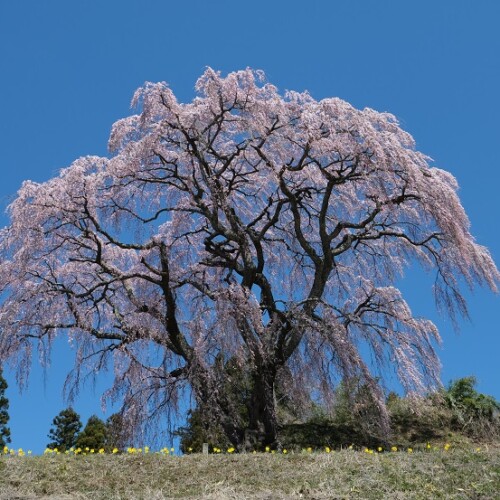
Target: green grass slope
<point x="452" y="473"/>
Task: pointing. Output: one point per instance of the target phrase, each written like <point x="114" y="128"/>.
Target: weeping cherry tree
<point x="248" y="226"/>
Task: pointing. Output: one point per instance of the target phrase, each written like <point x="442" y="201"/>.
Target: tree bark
<point x="263" y="426"/>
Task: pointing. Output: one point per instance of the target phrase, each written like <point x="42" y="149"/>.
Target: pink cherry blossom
<point x="264" y="229"/>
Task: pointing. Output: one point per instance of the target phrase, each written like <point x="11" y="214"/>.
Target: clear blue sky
<point x="68" y="70"/>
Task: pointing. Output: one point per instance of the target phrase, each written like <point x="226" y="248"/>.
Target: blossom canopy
<point x="248" y="226"/>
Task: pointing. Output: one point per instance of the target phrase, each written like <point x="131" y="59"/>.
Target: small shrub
<point x="474" y="414"/>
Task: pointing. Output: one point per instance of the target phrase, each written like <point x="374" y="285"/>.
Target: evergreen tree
<point x="117" y="435"/>
<point x="4" y="416"/>
<point x="66" y="427"/>
<point x="94" y="435"/>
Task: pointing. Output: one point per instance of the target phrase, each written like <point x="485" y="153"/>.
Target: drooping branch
<point x="243" y="226"/>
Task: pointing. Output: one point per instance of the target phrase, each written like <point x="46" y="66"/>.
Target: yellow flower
<point x="190" y="449"/>
<point x="428" y="446"/>
<point x="268" y="449"/>
<point x="146" y="449"/>
<point x="380" y="449"/>
<point x="285" y="452"/>
<point x="478" y="449"/>
<point x="101" y="451"/>
<point x="394" y="448"/>
<point x="447" y="446"/>
<point x="351" y="447"/>
<point x="172" y="450"/>
<point x="29" y="452"/>
<point x="410" y="450"/>
<point x="115" y="450"/>
<point x="327" y="449"/>
<point x="230" y="450"/>
<point x="309" y="450"/>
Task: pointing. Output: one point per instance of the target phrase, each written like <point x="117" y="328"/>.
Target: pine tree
<point x="117" y="435"/>
<point x="4" y="416"/>
<point x="94" y="435"/>
<point x="66" y="427"/>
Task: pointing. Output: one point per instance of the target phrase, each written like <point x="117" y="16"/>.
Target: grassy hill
<point x="470" y="472"/>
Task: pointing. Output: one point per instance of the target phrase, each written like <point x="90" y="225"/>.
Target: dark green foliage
<point x="202" y="426"/>
<point x="65" y="428"/>
<point x="462" y="396"/>
<point x="93" y="436"/>
<point x="327" y="433"/>
<point x="4" y="415"/>
<point x="418" y="420"/>
<point x="196" y="432"/>
<point x="116" y="433"/>
<point x="459" y="408"/>
<point x="353" y="420"/>
<point x="474" y="414"/>
<point x="356" y="412"/>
